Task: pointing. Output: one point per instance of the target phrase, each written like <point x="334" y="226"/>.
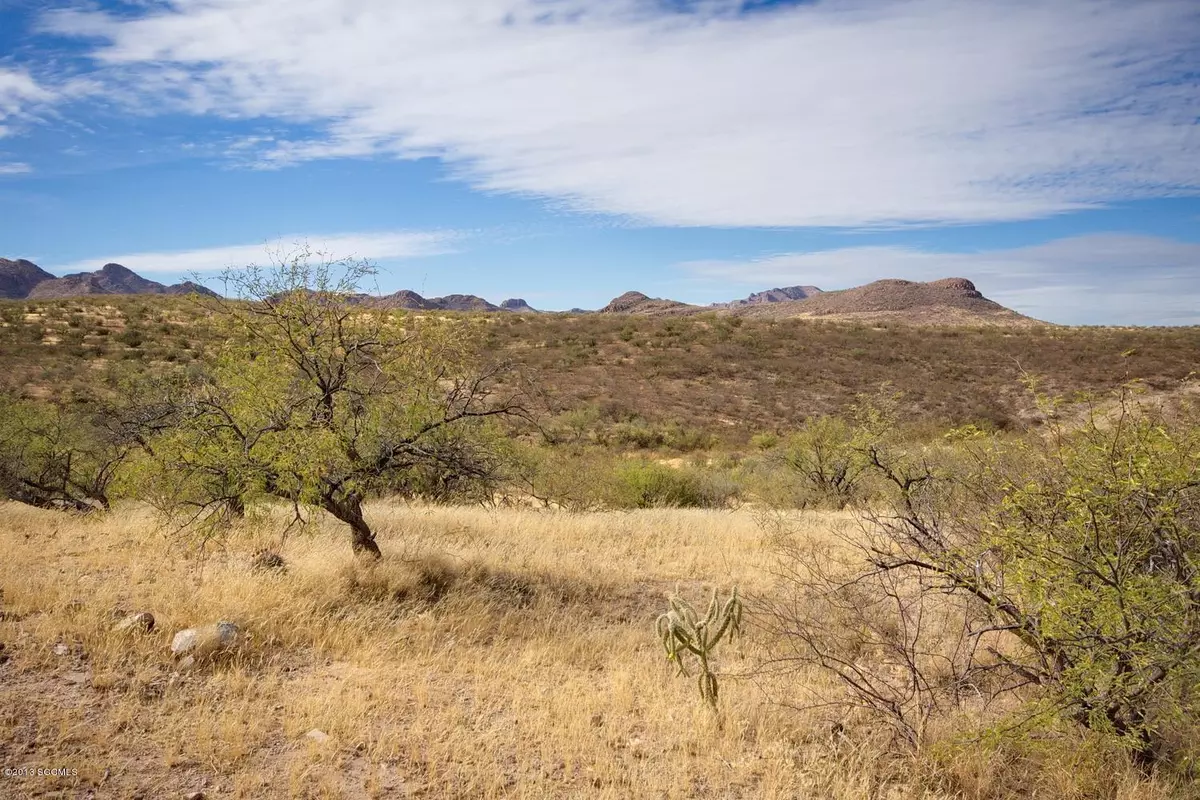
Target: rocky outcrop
<point x="464" y="302"/>
<point x="518" y="306"/>
<point x="777" y="295"/>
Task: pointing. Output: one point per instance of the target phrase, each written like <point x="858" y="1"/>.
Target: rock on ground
<point x="138" y="622"/>
<point x="198" y="644"/>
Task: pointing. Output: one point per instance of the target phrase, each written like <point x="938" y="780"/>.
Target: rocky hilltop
<point x="946" y="301"/>
<point x="518" y="305"/>
<point x="950" y="301"/>
<point x="638" y="303"/>
<point x="776" y="295"/>
<point x="17" y="278"/>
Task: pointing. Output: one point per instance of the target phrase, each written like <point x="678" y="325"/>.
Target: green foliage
<point x="824" y="457"/>
<point x="131" y="337"/>
<point x="642" y="435"/>
<point x="1065" y="565"/>
<point x="686" y="635"/>
<point x="764" y="441"/>
<point x="57" y="456"/>
<point x="648" y="484"/>
<point x="321" y="401"/>
<point x="1097" y="539"/>
<point x="570" y="478"/>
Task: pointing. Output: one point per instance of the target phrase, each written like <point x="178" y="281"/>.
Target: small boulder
<point x="317" y="735"/>
<point x="138" y="622"/>
<point x="267" y="561"/>
<point x="194" y="645"/>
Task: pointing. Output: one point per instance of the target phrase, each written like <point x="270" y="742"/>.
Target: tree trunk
<point x="235" y="506"/>
<point x="349" y="511"/>
<point x="362" y="541"/>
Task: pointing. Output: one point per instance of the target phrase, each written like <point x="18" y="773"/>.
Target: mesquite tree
<point x="321" y="397"/>
<point x="1062" y="569"/>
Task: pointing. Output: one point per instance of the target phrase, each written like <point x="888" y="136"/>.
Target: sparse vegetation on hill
<point x="727" y="377"/>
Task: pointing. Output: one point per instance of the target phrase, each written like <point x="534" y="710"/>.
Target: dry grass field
<point x="503" y="653"/>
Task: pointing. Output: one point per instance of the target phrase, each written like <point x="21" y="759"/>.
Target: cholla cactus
<point x="683" y="631"/>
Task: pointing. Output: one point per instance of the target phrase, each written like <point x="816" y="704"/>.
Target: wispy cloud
<point x="20" y="93"/>
<point x="15" y="168"/>
<point x="1093" y="279"/>
<point x="371" y="246"/>
<point x="837" y="113"/>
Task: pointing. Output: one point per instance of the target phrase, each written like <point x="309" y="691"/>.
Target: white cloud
<point x="838" y="113"/>
<point x="15" y="168"/>
<point x="371" y="246"/>
<point x="1109" y="278"/>
<point x="19" y="94"/>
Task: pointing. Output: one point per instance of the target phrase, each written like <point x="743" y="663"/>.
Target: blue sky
<point x="566" y="151"/>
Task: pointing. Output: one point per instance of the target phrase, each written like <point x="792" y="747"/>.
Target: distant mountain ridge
<point x="950" y="301"/>
<point x="109" y="279"/>
<point x="22" y="279"/>
<point x="411" y="301"/>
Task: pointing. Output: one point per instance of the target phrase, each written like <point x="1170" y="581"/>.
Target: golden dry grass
<point x="490" y="654"/>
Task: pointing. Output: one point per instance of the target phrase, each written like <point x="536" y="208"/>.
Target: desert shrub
<point x="648" y="484"/>
<point x="821" y="465"/>
<point x="687" y="439"/>
<point x="764" y="441"/>
<point x="638" y="434"/>
<point x="573" y="426"/>
<point x="826" y="459"/>
<point x="131" y="337"/>
<point x="1055" y="578"/>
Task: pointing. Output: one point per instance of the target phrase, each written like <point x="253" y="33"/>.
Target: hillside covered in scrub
<point x="728" y="377"/>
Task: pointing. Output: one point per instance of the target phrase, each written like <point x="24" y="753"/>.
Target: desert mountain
<point x="638" y="303"/>
<point x="18" y="277"/>
<point x="950" y="301"/>
<point x="23" y="279"/>
<point x="110" y="279"/>
<point x="518" y="305"/>
<point x="772" y="296"/>
<point x="946" y="301"/>
<point x="408" y="299"/>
